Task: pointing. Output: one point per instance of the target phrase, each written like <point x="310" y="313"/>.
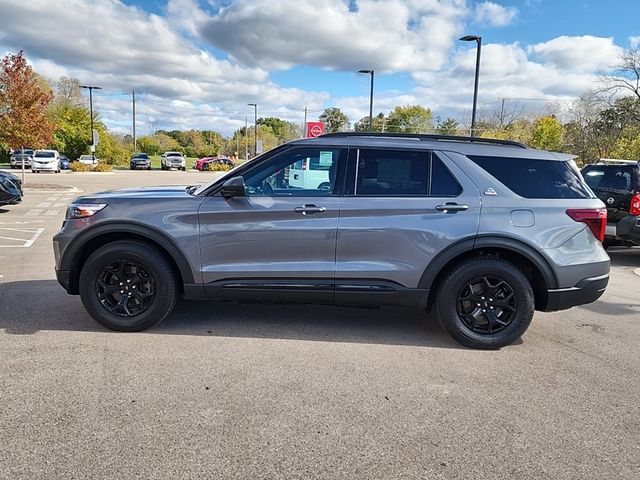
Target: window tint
<point x="44" y="154"/>
<point x="531" y="178"/>
<point x="288" y="174"/>
<point x="443" y="183"/>
<point x="609" y="177"/>
<point x="393" y="172"/>
<point x="404" y="173"/>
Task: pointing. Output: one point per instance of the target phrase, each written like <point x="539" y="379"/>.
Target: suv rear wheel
<point x="128" y="286"/>
<point x="485" y="303"/>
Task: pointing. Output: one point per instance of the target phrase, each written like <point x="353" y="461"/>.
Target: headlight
<point x="83" y="210"/>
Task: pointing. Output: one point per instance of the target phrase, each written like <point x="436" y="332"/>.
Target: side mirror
<point x="234" y="187"/>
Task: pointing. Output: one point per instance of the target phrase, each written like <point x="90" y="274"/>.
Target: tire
<point x="109" y="268"/>
<point x="184" y="169"/>
<point x="503" y="298"/>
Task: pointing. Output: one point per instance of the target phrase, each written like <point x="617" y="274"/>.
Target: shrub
<point x="79" y="167"/>
<point x="219" y="167"/>
<point x="102" y="167"/>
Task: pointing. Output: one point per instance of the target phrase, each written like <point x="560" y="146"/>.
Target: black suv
<point x="617" y="184"/>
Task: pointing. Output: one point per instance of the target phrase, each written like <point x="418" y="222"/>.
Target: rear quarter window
<point x="533" y="178"/>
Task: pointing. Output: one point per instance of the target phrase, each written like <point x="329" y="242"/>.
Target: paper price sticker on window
<point x="326" y="159"/>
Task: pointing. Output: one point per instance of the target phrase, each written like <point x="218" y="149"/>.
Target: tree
<point x="334" y="120"/>
<point x="378" y="124"/>
<point x="283" y="130"/>
<point x="547" y="134"/>
<point x="67" y="93"/>
<point x="410" y="119"/>
<point x="23" y="104"/>
<point x="448" y="127"/>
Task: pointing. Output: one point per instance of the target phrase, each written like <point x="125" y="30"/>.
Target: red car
<point x="198" y="163"/>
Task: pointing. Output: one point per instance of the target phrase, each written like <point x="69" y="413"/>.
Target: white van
<point x="311" y="173"/>
<point x="45" y="161"/>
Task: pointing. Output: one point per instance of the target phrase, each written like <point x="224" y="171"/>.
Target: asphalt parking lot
<point x="254" y="391"/>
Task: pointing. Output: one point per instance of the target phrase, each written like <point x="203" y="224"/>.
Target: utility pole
<point x="246" y="139"/>
<point x="255" y="128"/>
<point x="304" y="127"/>
<point x="91" y="89"/>
<point x="133" y="93"/>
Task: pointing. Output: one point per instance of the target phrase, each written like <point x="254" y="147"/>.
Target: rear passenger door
<point x="401" y="208"/>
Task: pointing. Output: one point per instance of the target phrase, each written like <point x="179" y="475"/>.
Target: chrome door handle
<point x="451" y="207"/>
<point x="309" y="209"/>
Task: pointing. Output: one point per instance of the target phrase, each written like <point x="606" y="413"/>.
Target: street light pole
<point x="478" y="40"/>
<point x="371" y="72"/>
<point x="255" y="127"/>
<point x="91" y="89"/>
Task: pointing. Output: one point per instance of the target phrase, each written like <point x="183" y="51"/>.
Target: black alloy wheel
<point x="125" y="288"/>
<point x="486" y="305"/>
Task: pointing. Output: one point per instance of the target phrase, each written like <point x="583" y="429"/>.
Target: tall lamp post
<point x="255" y="127"/>
<point x="370" y="72"/>
<point x="478" y="40"/>
<point x="91" y="89"/>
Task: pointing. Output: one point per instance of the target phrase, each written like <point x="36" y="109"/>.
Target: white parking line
<point x="20" y="242"/>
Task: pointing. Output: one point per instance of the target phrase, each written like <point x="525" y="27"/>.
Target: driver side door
<point x="281" y="235"/>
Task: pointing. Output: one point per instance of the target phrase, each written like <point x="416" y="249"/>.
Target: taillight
<point x="634" y="207"/>
<point x="595" y="218"/>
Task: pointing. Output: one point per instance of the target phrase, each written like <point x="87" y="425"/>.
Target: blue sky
<point x="197" y="63"/>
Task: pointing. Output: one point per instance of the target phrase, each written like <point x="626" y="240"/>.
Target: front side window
<point x="308" y="172"/>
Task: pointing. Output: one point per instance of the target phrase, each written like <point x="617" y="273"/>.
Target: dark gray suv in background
<point x="480" y="232"/>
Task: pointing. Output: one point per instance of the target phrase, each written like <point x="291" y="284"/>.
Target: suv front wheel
<point x="485" y="303"/>
<point x="128" y="286"/>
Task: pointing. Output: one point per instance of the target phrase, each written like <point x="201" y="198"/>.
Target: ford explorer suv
<point x="478" y="232"/>
<point x="617" y="184"/>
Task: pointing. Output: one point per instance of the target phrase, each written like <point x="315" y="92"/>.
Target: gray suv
<point x="479" y="232"/>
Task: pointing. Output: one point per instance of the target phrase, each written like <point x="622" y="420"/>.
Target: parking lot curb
<point x="50" y="187"/>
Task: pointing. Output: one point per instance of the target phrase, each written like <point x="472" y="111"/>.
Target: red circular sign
<point x="316" y="130"/>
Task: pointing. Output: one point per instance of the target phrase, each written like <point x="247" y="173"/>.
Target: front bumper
<point x="143" y="166"/>
<point x="50" y="167"/>
<point x="585" y="291"/>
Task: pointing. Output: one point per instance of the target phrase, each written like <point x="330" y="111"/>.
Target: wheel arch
<point x="77" y="252"/>
<point x="530" y="261"/>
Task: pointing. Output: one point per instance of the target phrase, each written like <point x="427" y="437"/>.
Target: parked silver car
<point x="480" y="232"/>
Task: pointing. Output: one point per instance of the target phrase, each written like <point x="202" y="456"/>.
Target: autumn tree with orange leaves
<point x="24" y="98"/>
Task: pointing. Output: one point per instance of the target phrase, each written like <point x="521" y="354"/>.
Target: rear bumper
<point x="585" y="291"/>
<point x="629" y="229"/>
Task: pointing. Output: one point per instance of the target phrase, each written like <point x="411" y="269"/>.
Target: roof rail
<point x="618" y="161"/>
<point x="430" y="137"/>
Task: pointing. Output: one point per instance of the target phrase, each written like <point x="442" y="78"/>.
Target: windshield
<point x="44" y="154"/>
<point x="23" y="152"/>
<point x="144" y="156"/>
<point x="174" y="154"/>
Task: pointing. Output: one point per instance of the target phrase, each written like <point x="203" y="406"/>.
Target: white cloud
<point x="585" y="53"/>
<point x="387" y="35"/>
<point x="494" y="14"/>
<point x="634" y="41"/>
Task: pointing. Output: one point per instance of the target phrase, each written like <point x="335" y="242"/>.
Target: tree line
<point x="604" y="123"/>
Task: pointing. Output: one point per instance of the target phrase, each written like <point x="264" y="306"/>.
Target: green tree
<point x="334" y="120"/>
<point x="448" y="127"/>
<point x="24" y="99"/>
<point x="410" y="119"/>
<point x="547" y="134"/>
<point x="378" y="124"/>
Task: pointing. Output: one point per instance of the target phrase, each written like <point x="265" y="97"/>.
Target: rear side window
<point x="403" y="173"/>
<point x="609" y="176"/>
<point x="531" y="178"/>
